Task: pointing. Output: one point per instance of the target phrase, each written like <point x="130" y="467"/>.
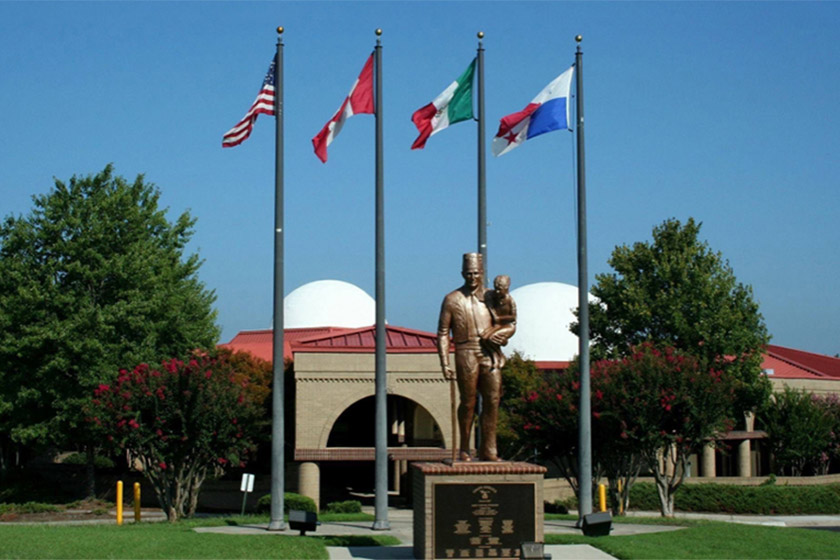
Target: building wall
<point x="328" y="383"/>
<point x="816" y="386"/>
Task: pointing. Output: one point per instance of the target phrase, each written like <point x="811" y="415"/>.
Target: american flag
<point x="263" y="104"/>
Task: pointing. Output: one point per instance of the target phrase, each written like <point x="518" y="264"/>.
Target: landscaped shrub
<point x="347" y="506"/>
<point x="99" y="461"/>
<point x="557" y="506"/>
<point x="290" y="501"/>
<point x="725" y="498"/>
<point x="28" y="507"/>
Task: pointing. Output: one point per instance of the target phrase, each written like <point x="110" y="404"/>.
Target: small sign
<point x="247" y="483"/>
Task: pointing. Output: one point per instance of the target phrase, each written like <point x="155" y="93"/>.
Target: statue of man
<point x="465" y="314"/>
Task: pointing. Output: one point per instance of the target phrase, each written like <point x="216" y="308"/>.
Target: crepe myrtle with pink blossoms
<point x="184" y="420"/>
<point x="652" y="409"/>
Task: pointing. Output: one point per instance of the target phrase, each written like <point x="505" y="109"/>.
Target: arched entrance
<point x="409" y="425"/>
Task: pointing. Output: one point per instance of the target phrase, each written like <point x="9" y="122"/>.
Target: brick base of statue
<point x="476" y="509"/>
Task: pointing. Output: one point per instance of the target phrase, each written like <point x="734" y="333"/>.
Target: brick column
<point x="309" y="482"/>
<point x="744" y="449"/>
<point x="709" y="460"/>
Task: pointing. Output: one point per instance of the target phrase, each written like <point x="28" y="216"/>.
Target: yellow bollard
<point x="602" y="497"/>
<point x="620" y="501"/>
<point x="137" y="502"/>
<point x="119" y="502"/>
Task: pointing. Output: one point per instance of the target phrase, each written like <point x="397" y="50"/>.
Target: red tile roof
<point x="785" y="363"/>
<point x="398" y="340"/>
<point x="334" y="339"/>
<point x="817" y="364"/>
<point x="776" y="367"/>
<point x="261" y="343"/>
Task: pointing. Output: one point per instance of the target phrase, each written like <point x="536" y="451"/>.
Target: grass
<point x="709" y="539"/>
<point x="165" y="540"/>
<point x="700" y="539"/>
<point x="148" y="540"/>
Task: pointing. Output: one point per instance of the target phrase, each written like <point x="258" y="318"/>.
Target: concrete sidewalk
<point x="401" y="527"/>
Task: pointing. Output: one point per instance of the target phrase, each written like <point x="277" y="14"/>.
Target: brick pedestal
<point x="476" y="509"/>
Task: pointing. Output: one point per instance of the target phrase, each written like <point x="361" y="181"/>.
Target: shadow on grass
<point x="358" y="540"/>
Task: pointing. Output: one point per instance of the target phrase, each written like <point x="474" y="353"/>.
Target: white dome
<point x="328" y="303"/>
<point x="544" y="313"/>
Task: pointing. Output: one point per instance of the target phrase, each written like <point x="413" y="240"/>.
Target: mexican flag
<point x="453" y="105"/>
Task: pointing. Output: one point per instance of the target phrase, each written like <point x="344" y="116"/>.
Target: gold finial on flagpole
<point x="579" y="38"/>
<point x="280" y="30"/>
<point x="378" y="32"/>
<point x="480" y="34"/>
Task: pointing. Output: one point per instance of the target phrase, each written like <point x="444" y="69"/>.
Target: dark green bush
<point x="99" y="461"/>
<point x="557" y="506"/>
<point x="290" y="501"/>
<point x="28" y="507"/>
<point x="347" y="506"/>
<point x="725" y="498"/>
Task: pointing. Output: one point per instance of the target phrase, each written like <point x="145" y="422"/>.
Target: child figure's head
<point x="502" y="284"/>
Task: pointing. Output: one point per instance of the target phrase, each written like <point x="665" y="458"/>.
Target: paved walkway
<point x="401" y="522"/>
<point x="401" y="527"/>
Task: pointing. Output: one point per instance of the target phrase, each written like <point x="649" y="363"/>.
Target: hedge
<point x="725" y="498"/>
<point x="347" y="506"/>
<point x="290" y="501"/>
<point x="28" y="507"/>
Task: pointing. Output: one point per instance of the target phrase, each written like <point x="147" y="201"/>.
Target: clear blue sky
<point x="727" y="112"/>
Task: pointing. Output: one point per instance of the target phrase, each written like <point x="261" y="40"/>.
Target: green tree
<point x="519" y="377"/>
<point x="93" y="279"/>
<point x="676" y="291"/>
<point x="185" y="420"/>
<point x="647" y="402"/>
<point x="802" y="431"/>
<point x="662" y="406"/>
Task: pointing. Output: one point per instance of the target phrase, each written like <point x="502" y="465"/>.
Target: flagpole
<point x="482" y="200"/>
<point x="381" y="381"/>
<point x="585" y="423"/>
<point x="278" y="369"/>
<point x="482" y="179"/>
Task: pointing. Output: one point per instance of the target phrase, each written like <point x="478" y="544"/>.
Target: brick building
<point x="330" y="340"/>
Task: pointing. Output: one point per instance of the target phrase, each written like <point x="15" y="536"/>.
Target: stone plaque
<point x="482" y="520"/>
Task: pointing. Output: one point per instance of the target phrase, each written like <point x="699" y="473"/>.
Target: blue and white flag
<point x="548" y="111"/>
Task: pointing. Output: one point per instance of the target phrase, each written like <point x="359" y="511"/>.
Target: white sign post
<point x="246" y="487"/>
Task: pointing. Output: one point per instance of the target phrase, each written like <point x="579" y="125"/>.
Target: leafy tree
<point x="676" y="291"/>
<point x="663" y="406"/>
<point x="802" y="431"/>
<point x="92" y="280"/>
<point x="184" y="420"/>
<point x="519" y="377"/>
<point x="642" y="404"/>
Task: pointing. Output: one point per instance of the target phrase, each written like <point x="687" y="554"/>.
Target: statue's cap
<point x="472" y="260"/>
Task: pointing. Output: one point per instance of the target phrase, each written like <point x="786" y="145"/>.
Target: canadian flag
<point x="360" y="100"/>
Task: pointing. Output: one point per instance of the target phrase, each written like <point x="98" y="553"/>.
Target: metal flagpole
<point x="381" y="490"/>
<point x="482" y="200"/>
<point x="278" y="370"/>
<point x="482" y="180"/>
<point x="585" y="423"/>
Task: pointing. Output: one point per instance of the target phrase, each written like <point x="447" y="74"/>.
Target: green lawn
<point x="148" y="540"/>
<point x="717" y="541"/>
<point x="163" y="540"/>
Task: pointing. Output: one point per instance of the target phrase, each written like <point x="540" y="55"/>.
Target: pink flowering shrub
<point x="183" y="421"/>
<point x="652" y="409"/>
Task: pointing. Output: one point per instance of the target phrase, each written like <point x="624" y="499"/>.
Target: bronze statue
<point x="481" y="322"/>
